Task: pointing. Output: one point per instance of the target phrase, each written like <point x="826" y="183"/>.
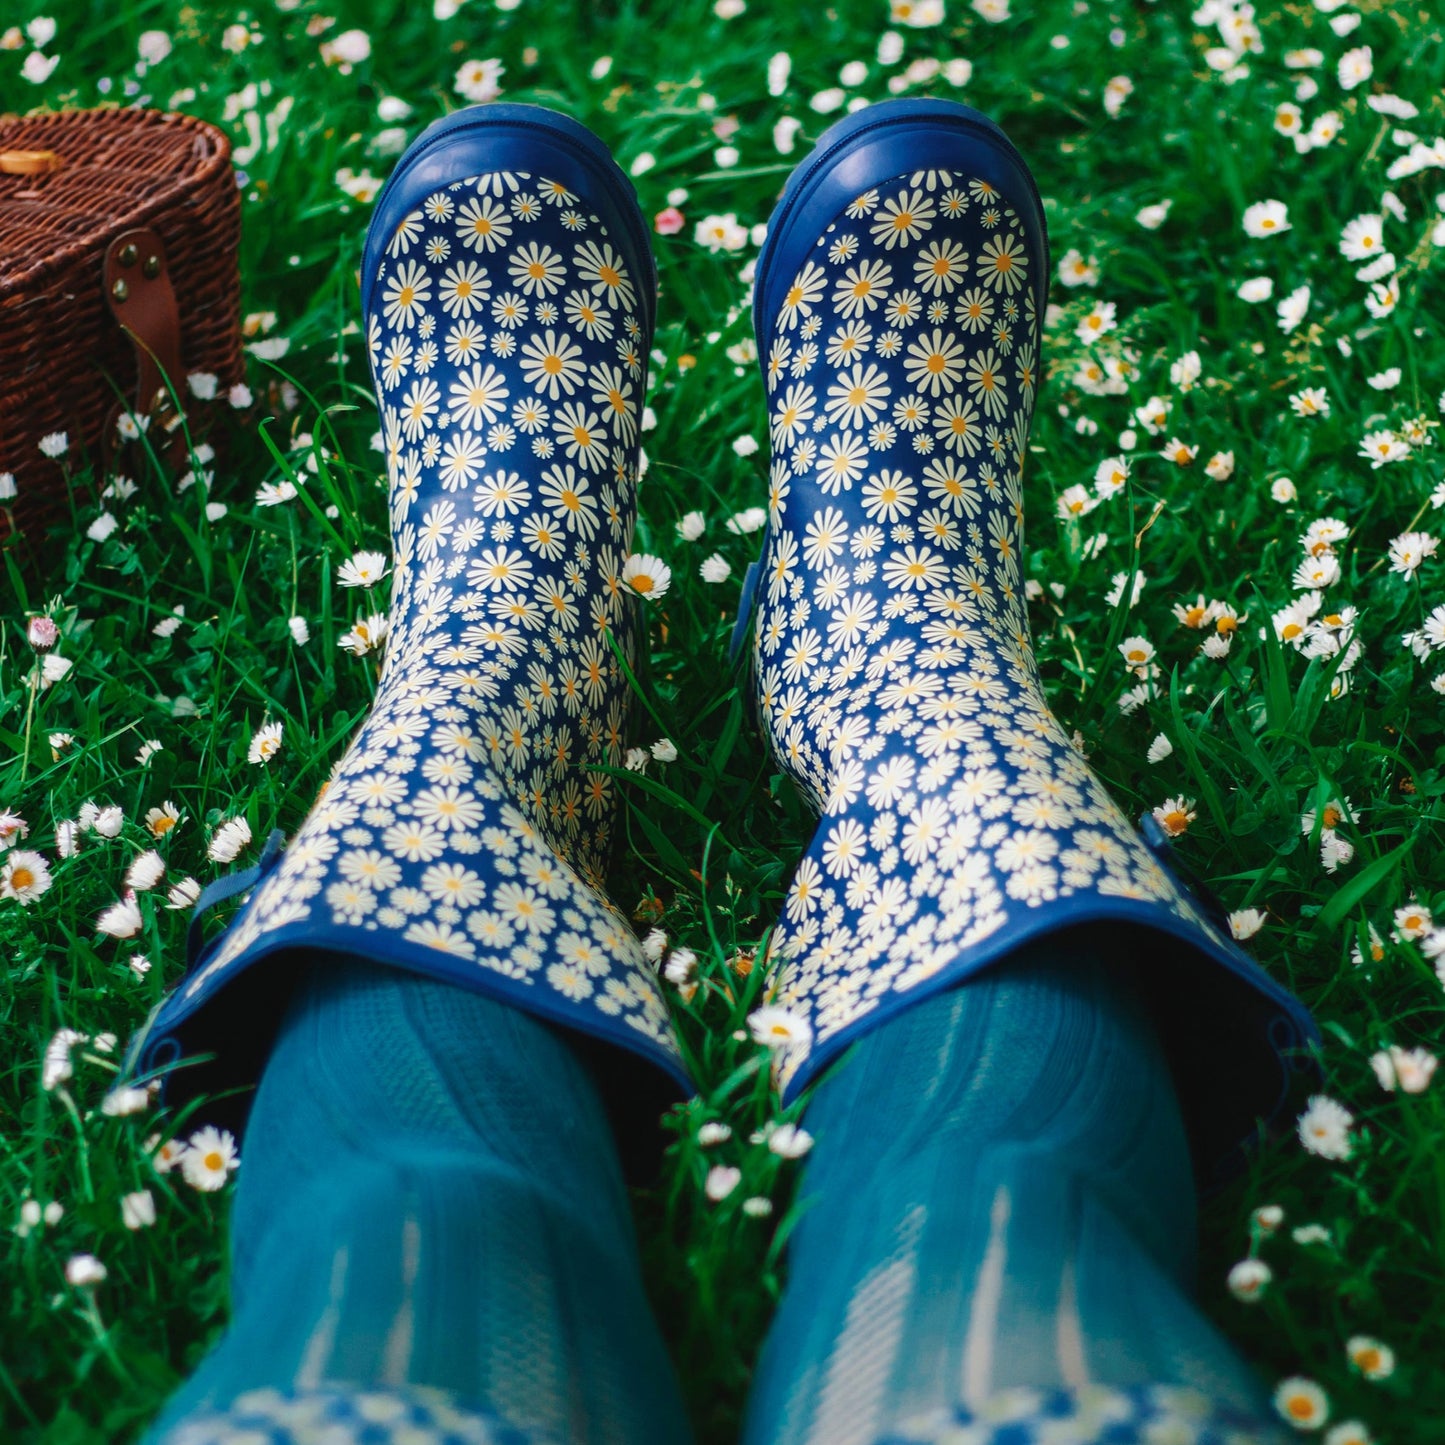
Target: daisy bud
<point x="84" y="1271"/>
<point x="1267" y="1218"/>
<point x="713" y="1133"/>
<point x="146" y="871"/>
<point x="1247" y="1280"/>
<point x="122" y="1101"/>
<point x="121" y="920"/>
<point x="722" y="1179"/>
<point x="138" y="1210"/>
<point x="757" y="1207"/>
<point x="788" y="1141"/>
<point x="681" y="967"/>
<point x="228" y="840"/>
<point x="183" y="894"/>
<point x="42" y="633"/>
<point x="108" y="822"/>
<point x="57" y="1066"/>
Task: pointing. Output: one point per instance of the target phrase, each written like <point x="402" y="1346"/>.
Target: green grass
<point x="1258" y="739"/>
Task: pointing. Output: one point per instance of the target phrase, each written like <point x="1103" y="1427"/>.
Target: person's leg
<point x="1000" y="1197"/>
<point x="431" y="1197"/>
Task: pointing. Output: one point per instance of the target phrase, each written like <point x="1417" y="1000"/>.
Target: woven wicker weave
<point x="65" y="359"/>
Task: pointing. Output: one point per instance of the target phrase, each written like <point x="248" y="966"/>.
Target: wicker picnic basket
<point x="119" y="232"/>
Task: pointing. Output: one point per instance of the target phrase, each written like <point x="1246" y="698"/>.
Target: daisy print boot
<point x="898" y="310"/>
<point x="508" y="296"/>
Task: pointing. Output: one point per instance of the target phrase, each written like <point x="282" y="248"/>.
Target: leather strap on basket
<point x="137" y="282"/>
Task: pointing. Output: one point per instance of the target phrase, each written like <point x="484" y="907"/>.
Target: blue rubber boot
<point x="898" y="310"/>
<point x="508" y="294"/>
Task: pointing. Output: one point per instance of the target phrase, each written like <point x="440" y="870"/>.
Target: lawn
<point x="1235" y="596"/>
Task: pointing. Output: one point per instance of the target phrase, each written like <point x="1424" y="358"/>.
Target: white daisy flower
<point x="1324" y="1128"/>
<point x="1302" y="1403"/>
<point x="647" y="575"/>
<point x="780" y="1028"/>
<point x="266" y="744"/>
<point x="25" y="876"/>
<point x="1266" y="218"/>
<point x="365" y="569"/>
<point x="209" y="1159"/>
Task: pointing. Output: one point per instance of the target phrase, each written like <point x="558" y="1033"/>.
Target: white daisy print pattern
<point x="892" y="654"/>
<point x="466" y="830"/>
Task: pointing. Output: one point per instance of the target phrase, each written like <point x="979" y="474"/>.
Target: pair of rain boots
<point x="509" y="297"/>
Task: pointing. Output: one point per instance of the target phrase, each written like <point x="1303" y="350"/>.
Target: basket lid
<point x="76" y="178"/>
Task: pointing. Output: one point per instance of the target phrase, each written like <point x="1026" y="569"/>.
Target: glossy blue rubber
<point x="508" y="294"/>
<point x="505" y="135"/>
<point x="898" y="309"/>
<point x="879" y="141"/>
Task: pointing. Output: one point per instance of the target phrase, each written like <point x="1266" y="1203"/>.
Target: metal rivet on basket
<point x="152" y="267"/>
<point x="120" y="290"/>
<point x="128" y="255"/>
